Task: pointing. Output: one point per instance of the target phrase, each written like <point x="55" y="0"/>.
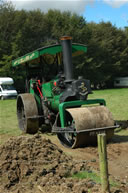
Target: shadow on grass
<point x="121" y="134"/>
<point x="119" y="139"/>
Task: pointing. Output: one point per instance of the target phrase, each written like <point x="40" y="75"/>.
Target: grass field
<point x="117" y="102"/>
<point x="8" y="120"/>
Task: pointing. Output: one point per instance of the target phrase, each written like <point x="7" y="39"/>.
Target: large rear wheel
<point x="27" y="113"/>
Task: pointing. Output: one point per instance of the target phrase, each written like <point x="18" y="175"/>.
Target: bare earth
<point x="39" y="163"/>
<point x="117" y="151"/>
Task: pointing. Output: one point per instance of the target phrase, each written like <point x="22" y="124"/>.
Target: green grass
<point x="93" y="176"/>
<point x="122" y="132"/>
<point x="8" y="120"/>
<point x="87" y="175"/>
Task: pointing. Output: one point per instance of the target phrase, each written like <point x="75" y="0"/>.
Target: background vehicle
<point x="7" y="89"/>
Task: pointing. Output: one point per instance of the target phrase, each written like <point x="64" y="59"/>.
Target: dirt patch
<point x="117" y="151"/>
<point x="30" y="164"/>
<point x="34" y="164"/>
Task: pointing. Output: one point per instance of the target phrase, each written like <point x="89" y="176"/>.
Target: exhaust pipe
<point x="66" y="42"/>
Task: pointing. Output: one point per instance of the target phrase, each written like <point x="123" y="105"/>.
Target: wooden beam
<point x="101" y="138"/>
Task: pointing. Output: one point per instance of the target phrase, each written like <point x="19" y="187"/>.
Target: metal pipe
<point x="66" y="42"/>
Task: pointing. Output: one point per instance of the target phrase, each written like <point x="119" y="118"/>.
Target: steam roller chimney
<point x="66" y="42"/>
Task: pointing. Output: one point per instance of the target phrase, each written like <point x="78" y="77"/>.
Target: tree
<point x="106" y="54"/>
<point x="24" y="31"/>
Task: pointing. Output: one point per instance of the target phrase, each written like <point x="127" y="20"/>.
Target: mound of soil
<point x="33" y="164"/>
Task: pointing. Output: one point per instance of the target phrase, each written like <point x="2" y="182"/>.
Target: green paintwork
<point x="47" y="89"/>
<point x="48" y="94"/>
<point x="70" y="104"/>
<point x="28" y="57"/>
<point x="50" y="50"/>
<point x="54" y="100"/>
<point x="77" y="49"/>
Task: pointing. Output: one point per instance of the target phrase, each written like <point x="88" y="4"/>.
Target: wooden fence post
<point x="101" y="139"/>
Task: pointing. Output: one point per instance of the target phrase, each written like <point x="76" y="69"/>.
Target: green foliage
<point x="24" y="31"/>
<point x="106" y="56"/>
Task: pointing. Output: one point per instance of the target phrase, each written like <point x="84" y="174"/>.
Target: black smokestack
<point x="66" y="43"/>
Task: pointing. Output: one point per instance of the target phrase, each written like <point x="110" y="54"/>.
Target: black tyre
<point x="27" y="113"/>
<point x="2" y="97"/>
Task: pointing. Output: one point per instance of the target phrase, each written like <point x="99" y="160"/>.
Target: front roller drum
<point x="27" y="113"/>
<point x="83" y="119"/>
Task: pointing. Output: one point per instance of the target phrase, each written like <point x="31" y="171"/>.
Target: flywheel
<point x="27" y="113"/>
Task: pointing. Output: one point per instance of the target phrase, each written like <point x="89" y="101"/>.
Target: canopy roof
<point x="77" y="49"/>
